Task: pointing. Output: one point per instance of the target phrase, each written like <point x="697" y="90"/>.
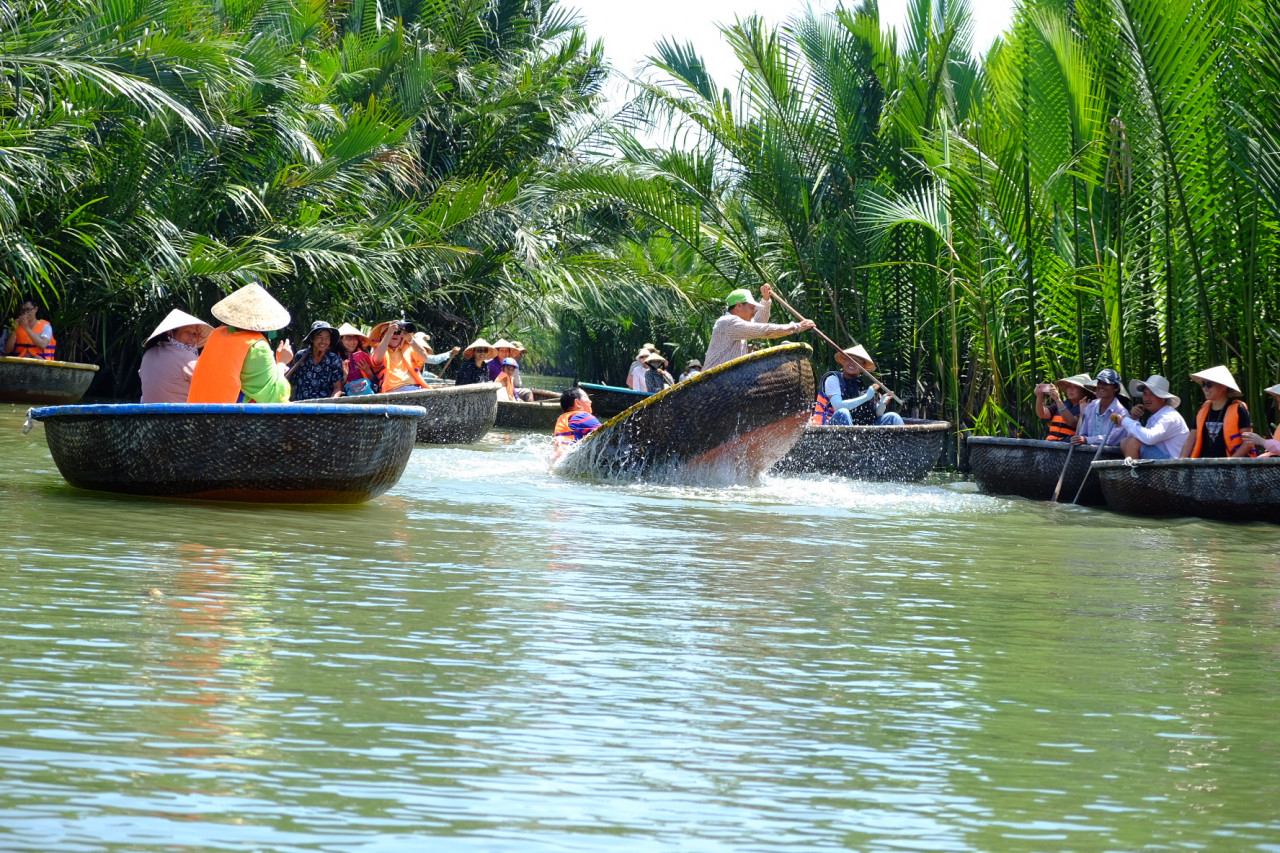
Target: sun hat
<point x="644" y="351"/>
<point x="322" y="326"/>
<point x="860" y="352"/>
<point x="478" y="344"/>
<point x="1219" y="375"/>
<point x="739" y="296"/>
<point x="1274" y="391"/>
<point x="502" y="343"/>
<point x="251" y="308"/>
<point x="693" y="362"/>
<point x="510" y="362"/>
<point x="1081" y="381"/>
<point x="347" y="329"/>
<point x="655" y="358"/>
<point x="176" y="320"/>
<point x="422" y="339"/>
<point x="519" y="347"/>
<point x="1157" y="385"/>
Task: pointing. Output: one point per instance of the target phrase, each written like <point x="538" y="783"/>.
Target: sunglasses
<point x="1207" y="383"/>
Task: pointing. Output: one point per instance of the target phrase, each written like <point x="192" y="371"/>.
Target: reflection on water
<point x="492" y="658"/>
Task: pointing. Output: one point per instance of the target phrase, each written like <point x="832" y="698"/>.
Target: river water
<point x="489" y="658"/>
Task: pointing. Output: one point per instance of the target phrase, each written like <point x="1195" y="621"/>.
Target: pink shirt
<point x="166" y="372"/>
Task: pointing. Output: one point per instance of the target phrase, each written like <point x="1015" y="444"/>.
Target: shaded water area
<point x="490" y="658"/>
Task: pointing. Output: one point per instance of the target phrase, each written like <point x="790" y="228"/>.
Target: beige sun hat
<point x="176" y="320"/>
<point x="1219" y="375"/>
<point x="503" y="343"/>
<point x="860" y="352"/>
<point x="1157" y="385"/>
<point x="251" y="308"/>
<point x="644" y="352"/>
<point x="479" y="344"/>
<point x="1274" y="391"/>
<point x="1083" y="381"/>
<point x="519" y="347"/>
<point x="655" y="358"/>
<point x="347" y="329"/>
<point x="422" y="339"/>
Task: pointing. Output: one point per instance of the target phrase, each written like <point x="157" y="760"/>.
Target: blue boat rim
<point x="591" y="386"/>
<point x="228" y="409"/>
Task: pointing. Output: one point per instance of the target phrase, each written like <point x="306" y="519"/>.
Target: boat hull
<point x="725" y="425"/>
<point x="47" y="383"/>
<point x="880" y="453"/>
<point x="608" y="401"/>
<point x="280" y="453"/>
<point x="539" y="415"/>
<point x="455" y="414"/>
<point x="1029" y="468"/>
<point x="1224" y="489"/>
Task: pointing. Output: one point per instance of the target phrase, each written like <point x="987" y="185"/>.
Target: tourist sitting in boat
<point x="433" y="358"/>
<point x="844" y="399"/>
<point x="518" y="352"/>
<point x="317" y="371"/>
<point x="744" y="321"/>
<point x="636" y="373"/>
<point x="396" y="357"/>
<point x="655" y="378"/>
<point x="1221" y="421"/>
<point x="1266" y="446"/>
<point x="503" y="351"/>
<point x="237" y="364"/>
<point x="1101" y="416"/>
<point x="692" y="368"/>
<point x="1165" y="430"/>
<point x="170" y="357"/>
<point x="29" y="336"/>
<point x="475" y="358"/>
<point x="360" y="377"/>
<point x="1063" y="416"/>
<point x="576" y="423"/>
<point x="506" y="381"/>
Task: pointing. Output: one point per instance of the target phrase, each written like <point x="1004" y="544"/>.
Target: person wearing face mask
<point x="1221" y="421"/>
<point x="170" y="356"/>
<point x="1106" y="409"/>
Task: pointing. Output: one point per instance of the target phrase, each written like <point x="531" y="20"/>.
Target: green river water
<point x="491" y="659"/>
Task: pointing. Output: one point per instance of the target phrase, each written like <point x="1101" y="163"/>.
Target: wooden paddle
<point x="834" y="345"/>
<point x="1098" y="453"/>
<point x="1058" y="488"/>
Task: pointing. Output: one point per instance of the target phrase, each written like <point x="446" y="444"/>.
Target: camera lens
<point x="409" y="327"/>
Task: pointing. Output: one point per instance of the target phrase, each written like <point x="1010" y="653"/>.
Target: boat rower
<point x="575" y="424"/>
<point x="843" y="399"/>
<point x="237" y="364"/>
<point x="746" y="320"/>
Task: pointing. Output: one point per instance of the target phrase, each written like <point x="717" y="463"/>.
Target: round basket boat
<point x="277" y="453"/>
<point x="455" y="414"/>
<point x="726" y="425"/>
<point x="539" y="415"/>
<point x="1029" y="468"/>
<point x="608" y="401"/>
<point x="902" y="454"/>
<point x="50" y="383"/>
<point x="1225" y="489"/>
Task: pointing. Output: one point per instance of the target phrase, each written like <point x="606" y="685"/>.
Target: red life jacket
<point x="26" y="347"/>
<point x="1230" y="428"/>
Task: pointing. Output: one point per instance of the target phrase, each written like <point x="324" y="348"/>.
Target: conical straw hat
<point x="1274" y="391"/>
<point x="348" y="329"/>
<point x="1219" y="375"/>
<point x="860" y="352"/>
<point x="176" y="320"/>
<point x="1081" y="381"/>
<point x="503" y="343"/>
<point x="478" y="344"/>
<point x="251" y="308"/>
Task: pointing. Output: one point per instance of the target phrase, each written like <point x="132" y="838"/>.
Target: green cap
<point x="739" y="296"/>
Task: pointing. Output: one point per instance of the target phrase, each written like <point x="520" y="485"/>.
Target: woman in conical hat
<point x="237" y="364"/>
<point x="1060" y="403"/>
<point x="1221" y="421"/>
<point x="1266" y="446"/>
<point x="504" y="350"/>
<point x="472" y="370"/>
<point x="170" y="357"/>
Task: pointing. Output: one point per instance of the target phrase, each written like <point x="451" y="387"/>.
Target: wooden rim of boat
<point x="408" y="397"/>
<point x="44" y="362"/>
<point x="1004" y="441"/>
<point x="121" y="409"/>
<point x="705" y="376"/>
<point x="911" y="425"/>
<point x="1112" y="464"/>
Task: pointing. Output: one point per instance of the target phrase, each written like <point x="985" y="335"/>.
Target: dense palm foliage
<point x="365" y="159"/>
<point x="1102" y="189"/>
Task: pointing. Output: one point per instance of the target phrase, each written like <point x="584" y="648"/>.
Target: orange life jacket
<point x="216" y="378"/>
<point x="26" y="347"/>
<point x="563" y="437"/>
<point x="1230" y="428"/>
<point x="823" y="410"/>
<point x="397" y="371"/>
<point x="1058" y="428"/>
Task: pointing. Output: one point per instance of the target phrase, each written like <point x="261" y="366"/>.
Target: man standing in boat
<point x="746" y="320"/>
<point x="237" y="364"/>
<point x="843" y="399"/>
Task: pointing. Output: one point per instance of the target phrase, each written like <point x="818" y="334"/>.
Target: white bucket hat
<point x="1157" y="385"/>
<point x="253" y="309"/>
<point x="860" y="352"/>
<point x="176" y="320"/>
<point x="1219" y="376"/>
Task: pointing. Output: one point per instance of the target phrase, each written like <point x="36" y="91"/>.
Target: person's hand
<point x="455" y="350"/>
<point x="766" y="293"/>
<point x="1253" y="438"/>
<point x="1077" y="440"/>
<point x="284" y="352"/>
<point x="1043" y="388"/>
<point x="806" y="325"/>
<point x="1137" y="412"/>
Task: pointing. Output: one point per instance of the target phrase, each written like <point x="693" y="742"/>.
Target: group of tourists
<point x="189" y="361"/>
<point x="649" y="371"/>
<point x="1088" y="411"/>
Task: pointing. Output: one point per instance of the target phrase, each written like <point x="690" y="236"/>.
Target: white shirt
<point x="730" y="334"/>
<point x="635" y="378"/>
<point x="1165" y="429"/>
